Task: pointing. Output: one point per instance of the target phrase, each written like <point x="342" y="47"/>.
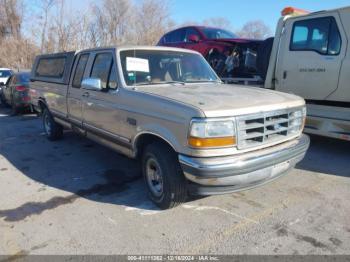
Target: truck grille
<point x="269" y="127"/>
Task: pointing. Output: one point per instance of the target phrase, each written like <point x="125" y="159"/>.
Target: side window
<point x="176" y="36"/>
<point x="51" y="67"/>
<point x="101" y="67"/>
<point x="79" y="71"/>
<point x="191" y="31"/>
<point x="334" y="44"/>
<point x="320" y="35"/>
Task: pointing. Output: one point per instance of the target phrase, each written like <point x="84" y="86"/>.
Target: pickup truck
<point x="166" y="106"/>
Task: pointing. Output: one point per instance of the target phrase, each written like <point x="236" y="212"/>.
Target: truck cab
<point x="311" y="58"/>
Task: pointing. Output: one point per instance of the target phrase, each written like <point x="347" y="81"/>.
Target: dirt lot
<point x="76" y="197"/>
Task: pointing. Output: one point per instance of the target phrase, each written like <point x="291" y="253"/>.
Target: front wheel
<point x="163" y="176"/>
<point x="53" y="130"/>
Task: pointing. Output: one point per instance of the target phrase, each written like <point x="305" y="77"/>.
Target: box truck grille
<point x="269" y="127"/>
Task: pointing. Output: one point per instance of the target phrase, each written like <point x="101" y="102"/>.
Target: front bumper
<point x="234" y="173"/>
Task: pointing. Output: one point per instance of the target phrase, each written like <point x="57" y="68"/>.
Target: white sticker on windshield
<point x="137" y="64"/>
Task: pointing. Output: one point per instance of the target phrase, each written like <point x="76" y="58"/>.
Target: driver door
<point x="76" y="93"/>
<point x="101" y="109"/>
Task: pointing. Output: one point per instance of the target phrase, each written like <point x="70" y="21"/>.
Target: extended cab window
<point x="51" y="67"/>
<point x="104" y="68"/>
<point x="79" y="71"/>
<point x="320" y="35"/>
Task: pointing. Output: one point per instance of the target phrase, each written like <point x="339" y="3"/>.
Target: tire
<point x="163" y="176"/>
<point x="263" y="58"/>
<point x="15" y="110"/>
<point x="3" y="101"/>
<point x="53" y="130"/>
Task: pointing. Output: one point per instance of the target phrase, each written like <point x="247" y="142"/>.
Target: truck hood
<point x="220" y="100"/>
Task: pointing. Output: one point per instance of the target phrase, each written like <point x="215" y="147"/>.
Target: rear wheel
<point x="53" y="130"/>
<point x="3" y="100"/>
<point x="15" y="109"/>
<point x="163" y="176"/>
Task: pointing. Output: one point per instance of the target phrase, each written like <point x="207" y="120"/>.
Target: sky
<point x="237" y="12"/>
<point x="240" y="12"/>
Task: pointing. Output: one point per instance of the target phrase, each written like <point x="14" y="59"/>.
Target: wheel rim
<point x="47" y="124"/>
<point x="154" y="177"/>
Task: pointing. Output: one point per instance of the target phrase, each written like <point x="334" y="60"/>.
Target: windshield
<point x="5" y="73"/>
<point x="149" y="67"/>
<point x="215" y="33"/>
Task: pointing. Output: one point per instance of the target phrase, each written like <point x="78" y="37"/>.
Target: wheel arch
<point x="42" y="104"/>
<point x="143" y="139"/>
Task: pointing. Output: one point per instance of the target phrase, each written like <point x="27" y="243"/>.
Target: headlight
<point x="297" y="120"/>
<point x="212" y="133"/>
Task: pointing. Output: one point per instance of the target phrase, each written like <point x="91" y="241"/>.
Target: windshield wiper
<point x="174" y="82"/>
<point x="160" y="83"/>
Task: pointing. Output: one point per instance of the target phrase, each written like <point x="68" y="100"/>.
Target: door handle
<point x="86" y="94"/>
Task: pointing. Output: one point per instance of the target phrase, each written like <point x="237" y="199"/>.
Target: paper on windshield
<point x="137" y="64"/>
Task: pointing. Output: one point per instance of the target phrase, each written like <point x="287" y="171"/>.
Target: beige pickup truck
<point x="167" y="107"/>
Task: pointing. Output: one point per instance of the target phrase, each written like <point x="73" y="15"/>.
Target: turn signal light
<point x="211" y="142"/>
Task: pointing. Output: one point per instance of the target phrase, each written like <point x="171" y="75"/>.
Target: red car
<point x="229" y="55"/>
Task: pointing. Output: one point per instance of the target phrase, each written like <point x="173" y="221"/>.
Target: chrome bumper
<point x="233" y="173"/>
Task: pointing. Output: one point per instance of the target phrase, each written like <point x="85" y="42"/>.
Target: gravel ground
<point x="76" y="197"/>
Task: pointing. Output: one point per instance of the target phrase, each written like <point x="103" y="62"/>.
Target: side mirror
<point x="2" y="83"/>
<point x="93" y="84"/>
<point x="193" y="38"/>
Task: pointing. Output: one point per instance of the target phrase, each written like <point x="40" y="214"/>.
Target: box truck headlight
<point x="206" y="133"/>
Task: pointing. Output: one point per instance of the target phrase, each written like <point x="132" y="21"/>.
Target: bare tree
<point x="52" y="27"/>
<point x="45" y="6"/>
<point x="152" y="21"/>
<point x="255" y="30"/>
<point x="112" y="21"/>
<point x="10" y="18"/>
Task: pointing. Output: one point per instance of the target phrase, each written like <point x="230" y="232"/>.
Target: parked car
<point x="167" y="107"/>
<point x="229" y="56"/>
<point x="16" y="92"/>
<point x="5" y="73"/>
